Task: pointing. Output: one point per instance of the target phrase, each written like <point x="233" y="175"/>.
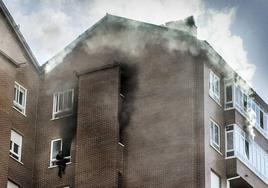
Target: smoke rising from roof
<point x="58" y="22"/>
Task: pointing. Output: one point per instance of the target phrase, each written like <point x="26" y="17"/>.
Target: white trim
<point x="215" y="175"/>
<point x="230" y="179"/>
<point x="11" y="184"/>
<point x="56" y="102"/>
<point x="19" y="143"/>
<point x="120" y="144"/>
<point x="16" y="159"/>
<point x="51" y="149"/>
<point x="16" y="105"/>
<point x="212" y="141"/>
<point x="225" y="96"/>
<point x="214" y="81"/>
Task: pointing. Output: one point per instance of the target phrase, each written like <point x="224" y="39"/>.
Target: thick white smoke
<point x="52" y="24"/>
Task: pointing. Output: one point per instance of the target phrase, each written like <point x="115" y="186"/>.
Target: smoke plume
<point x="58" y="22"/>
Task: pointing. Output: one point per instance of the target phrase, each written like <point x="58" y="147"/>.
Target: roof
<point x="19" y="36"/>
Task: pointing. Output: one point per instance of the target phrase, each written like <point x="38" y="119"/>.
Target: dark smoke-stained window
<point x="56" y="146"/>
<point x="19" y="99"/>
<point x="62" y="103"/>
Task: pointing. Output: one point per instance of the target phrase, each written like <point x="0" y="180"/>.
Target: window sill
<point x="215" y="100"/>
<point x="55" y="166"/>
<point x="19" y="111"/>
<point x="216" y="149"/>
<point x="16" y="160"/>
<point x="64" y="116"/>
<point x="120" y="144"/>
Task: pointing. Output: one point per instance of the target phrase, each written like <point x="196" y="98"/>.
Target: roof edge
<point x="19" y="35"/>
<point x="92" y="70"/>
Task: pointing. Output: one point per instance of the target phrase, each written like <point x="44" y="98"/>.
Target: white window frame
<point x="213" y="174"/>
<point x="51" y="150"/>
<point x="213" y="81"/>
<point x="213" y="142"/>
<point x="56" y="99"/>
<point x="230" y="130"/>
<point x="11" y="184"/>
<point x="228" y="104"/>
<point x="16" y="105"/>
<point x="11" y="152"/>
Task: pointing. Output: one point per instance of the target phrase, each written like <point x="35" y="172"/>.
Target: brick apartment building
<point x="130" y="104"/>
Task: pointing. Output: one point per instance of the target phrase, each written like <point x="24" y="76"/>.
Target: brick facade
<point x="140" y="115"/>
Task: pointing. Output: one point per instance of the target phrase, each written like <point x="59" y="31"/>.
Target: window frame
<point x="51" y="160"/>
<point x="16" y="105"/>
<point x="213" y="143"/>
<point x="12" y="182"/>
<point x="216" y="175"/>
<point x="68" y="111"/>
<point x="213" y="81"/>
<point x="228" y="104"/>
<point x="11" y="152"/>
<point x="51" y="152"/>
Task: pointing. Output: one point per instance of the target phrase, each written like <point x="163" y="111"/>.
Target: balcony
<point x="238" y="97"/>
<point x="242" y="147"/>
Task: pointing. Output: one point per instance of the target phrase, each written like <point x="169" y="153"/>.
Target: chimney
<point x="186" y="25"/>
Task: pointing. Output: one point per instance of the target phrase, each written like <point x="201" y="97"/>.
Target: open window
<point x="19" y="100"/>
<point x="62" y="103"/>
<point x="56" y="146"/>
<point x="15" y="145"/>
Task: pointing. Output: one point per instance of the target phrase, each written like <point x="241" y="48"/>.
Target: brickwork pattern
<point x="97" y="130"/>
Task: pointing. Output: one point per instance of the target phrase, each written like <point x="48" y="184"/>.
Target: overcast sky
<point x="237" y="29"/>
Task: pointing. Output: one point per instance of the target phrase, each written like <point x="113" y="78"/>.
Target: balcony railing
<point x="241" y="146"/>
<point x="238" y="98"/>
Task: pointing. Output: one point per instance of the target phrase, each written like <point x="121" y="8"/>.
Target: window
<point x="215" y="135"/>
<point x="246" y="148"/>
<point x="62" y="103"/>
<point x="56" y="146"/>
<point x="214" y="86"/>
<point x="229" y="140"/>
<point x="215" y="180"/>
<point x="261" y="120"/>
<point x="228" y="96"/>
<point x="15" y="145"/>
<point x="11" y="185"/>
<point x="19" y="101"/>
